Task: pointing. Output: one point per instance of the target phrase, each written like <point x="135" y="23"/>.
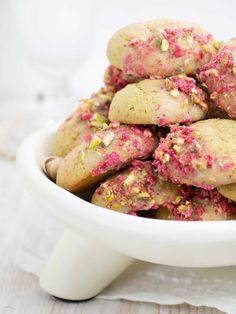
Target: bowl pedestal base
<point x="79" y="269"/>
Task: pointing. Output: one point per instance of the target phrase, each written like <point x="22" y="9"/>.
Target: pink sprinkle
<point x="86" y="116"/>
<point x="132" y="213"/>
<point x="110" y="163"/>
<point x="163" y="121"/>
<point x="184" y="84"/>
<point x="115" y="78"/>
<point x="209" y="160"/>
<point x="125" y="136"/>
<point x="88" y="137"/>
<point x="228" y="166"/>
<point x="178" y="52"/>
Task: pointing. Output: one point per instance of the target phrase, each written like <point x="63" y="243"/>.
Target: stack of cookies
<point x="159" y="139"/>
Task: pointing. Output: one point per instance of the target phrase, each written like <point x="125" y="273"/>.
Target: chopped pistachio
<point x="166" y="157"/>
<point x="94" y="142"/>
<point x="143" y="195"/>
<point x="177" y="148"/>
<point x="204" y="87"/>
<point x="164" y="45"/>
<point x="178" y="199"/>
<point x="174" y="93"/>
<point x="234" y="69"/>
<point x="182" y="208"/>
<point x="110" y="197"/>
<point x="168" y="84"/>
<point x="217" y="44"/>
<point x="180" y="140"/>
<point x="157" y="42"/>
<point x="108" y="138"/>
<point x="89" y="101"/>
<point x="196" y="100"/>
<point x="197" y="133"/>
<point x="205" y="48"/>
<point x="201" y="165"/>
<point x="212" y="179"/>
<point x="98" y="120"/>
<point x="105" y="97"/>
<point x="129" y="180"/>
<point x="135" y="190"/>
<point x="115" y="206"/>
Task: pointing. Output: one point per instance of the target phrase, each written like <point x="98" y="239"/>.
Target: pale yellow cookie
<point x="89" y="117"/>
<point x="219" y="76"/>
<point x="161" y="102"/>
<point x="115" y="79"/>
<point x="137" y="188"/>
<point x="200" y="205"/>
<point x="228" y="191"/>
<point x="105" y="152"/>
<point x="202" y="154"/>
<point x="161" y="48"/>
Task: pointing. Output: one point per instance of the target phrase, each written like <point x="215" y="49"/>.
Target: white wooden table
<point x="19" y="291"/>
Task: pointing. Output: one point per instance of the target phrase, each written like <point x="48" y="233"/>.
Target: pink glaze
<point x="227" y="166"/>
<point x="182" y="165"/>
<point x="84" y="116"/>
<point x="111" y="162"/>
<point x="181" y="157"/>
<point x="220" y="79"/>
<point x="115" y="78"/>
<point x="196" y="202"/>
<point x="184" y="84"/>
<point x="142" y="54"/>
<point x="130" y="142"/>
<point x="142" y="193"/>
<point x="88" y="137"/>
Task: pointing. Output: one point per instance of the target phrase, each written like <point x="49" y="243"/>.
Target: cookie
<point x="161" y="102"/>
<point x="228" y="191"/>
<point x="115" y="79"/>
<point x="202" y="154"/>
<point x="102" y="153"/>
<point x="138" y="188"/>
<point x="219" y="75"/>
<point x="161" y="48"/>
<point x="200" y="205"/>
<point x="90" y="116"/>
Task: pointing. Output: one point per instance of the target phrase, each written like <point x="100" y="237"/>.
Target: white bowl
<point x="100" y="243"/>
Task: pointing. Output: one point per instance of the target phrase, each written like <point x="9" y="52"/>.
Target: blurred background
<point x="53" y="52"/>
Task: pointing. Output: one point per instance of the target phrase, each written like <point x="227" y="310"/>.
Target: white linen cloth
<point x="213" y="287"/>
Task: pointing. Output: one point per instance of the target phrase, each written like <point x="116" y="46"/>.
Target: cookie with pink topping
<point x="161" y="102"/>
<point x="200" y="205"/>
<point x="219" y="75"/>
<point x="228" y="191"/>
<point x="89" y="117"/>
<point x="138" y="188"/>
<point x="202" y="154"/>
<point x="102" y="153"/>
<point x="115" y="79"/>
<point x="161" y="48"/>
